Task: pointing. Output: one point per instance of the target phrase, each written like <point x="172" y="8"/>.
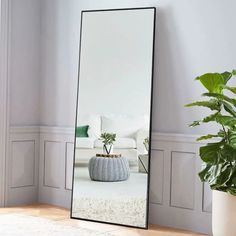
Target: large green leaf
<point x="226" y="75"/>
<point x="220" y="97"/>
<point x="214" y="173"/>
<point x="225" y="120"/>
<point x="212" y="82"/>
<point x="205" y="173"/>
<point x="229" y="108"/>
<point x="207" y="119"/>
<point x="234" y="72"/>
<point x="232" y="190"/>
<point x="211" y="117"/>
<point x="224" y="175"/>
<point x="232" y="139"/>
<point x="217" y="175"/>
<point x="232" y="181"/>
<point x="210" y="174"/>
<point x="213" y="104"/>
<point x="210" y="153"/>
<point x="217" y="117"/>
<point x="232" y="89"/>
<point x="221" y="176"/>
<point x="228" y="153"/>
<point x="209" y="136"/>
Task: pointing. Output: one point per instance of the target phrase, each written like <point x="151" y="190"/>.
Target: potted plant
<point x="146" y="143"/>
<point x="108" y="139"/>
<point x="219" y="156"/>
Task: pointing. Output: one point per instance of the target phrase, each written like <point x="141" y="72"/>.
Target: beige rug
<point x="120" y="210"/>
<point x="13" y="224"/>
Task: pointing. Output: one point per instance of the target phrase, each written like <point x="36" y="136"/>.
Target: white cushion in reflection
<point x="128" y="143"/>
<point x="84" y="142"/>
<point x="123" y="126"/>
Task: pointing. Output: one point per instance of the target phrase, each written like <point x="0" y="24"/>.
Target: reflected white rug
<point x="120" y="210"/>
<point x="24" y="225"/>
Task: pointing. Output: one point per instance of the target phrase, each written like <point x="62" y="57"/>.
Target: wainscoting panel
<point x="177" y="197"/>
<point x="157" y="176"/>
<point x="22" y="166"/>
<point x="183" y="197"/>
<point x="23" y="163"/>
<point x="55" y="168"/>
<point x="207" y="196"/>
<point x="53" y="164"/>
<point x="69" y="164"/>
<point x="182" y="179"/>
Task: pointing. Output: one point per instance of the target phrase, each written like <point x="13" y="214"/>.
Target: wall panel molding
<point x="52" y="169"/>
<point x="182" y="190"/>
<point x="172" y="194"/>
<point x="207" y="197"/>
<point x="24" y="129"/>
<point x="182" y="180"/>
<point x="22" y="166"/>
<point x="157" y="178"/>
<point x="23" y="163"/>
<point x="69" y="165"/>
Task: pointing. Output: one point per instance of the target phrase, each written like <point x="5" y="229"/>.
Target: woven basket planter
<point x="109" y="169"/>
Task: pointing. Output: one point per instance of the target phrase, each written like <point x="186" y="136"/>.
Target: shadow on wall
<point x="60" y="32"/>
<point x="166" y="83"/>
<point x="174" y="75"/>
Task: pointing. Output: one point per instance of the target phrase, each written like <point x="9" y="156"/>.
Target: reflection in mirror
<point x="111" y="162"/>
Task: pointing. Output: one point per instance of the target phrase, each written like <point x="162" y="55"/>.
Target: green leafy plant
<point x="219" y="156"/>
<point x="108" y="138"/>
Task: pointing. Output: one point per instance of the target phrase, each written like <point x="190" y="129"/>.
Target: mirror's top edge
<point x="119" y="9"/>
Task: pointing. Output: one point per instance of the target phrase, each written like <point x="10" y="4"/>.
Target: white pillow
<point x="85" y="143"/>
<point x="94" y="123"/>
<point x="123" y="126"/>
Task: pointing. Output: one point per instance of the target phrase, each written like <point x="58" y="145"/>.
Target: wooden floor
<point x="62" y="215"/>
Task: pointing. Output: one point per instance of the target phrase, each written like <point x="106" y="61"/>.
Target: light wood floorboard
<point x="62" y="216"/>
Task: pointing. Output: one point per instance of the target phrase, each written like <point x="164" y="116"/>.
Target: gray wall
<point x="24" y="62"/>
<point x="193" y="37"/>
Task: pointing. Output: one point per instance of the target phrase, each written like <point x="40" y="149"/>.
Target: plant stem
<point x="226" y="134"/>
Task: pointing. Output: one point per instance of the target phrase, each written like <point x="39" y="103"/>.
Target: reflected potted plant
<point x="108" y="140"/>
<point x="219" y="156"/>
<point x="146" y="143"/>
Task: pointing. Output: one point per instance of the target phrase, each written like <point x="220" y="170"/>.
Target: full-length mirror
<point x="112" y="151"/>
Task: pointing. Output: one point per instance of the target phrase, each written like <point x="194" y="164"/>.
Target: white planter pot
<point x="146" y="147"/>
<point x="107" y="149"/>
<point x="223" y="214"/>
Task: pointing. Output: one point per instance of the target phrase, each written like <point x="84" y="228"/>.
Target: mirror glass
<point x="111" y="161"/>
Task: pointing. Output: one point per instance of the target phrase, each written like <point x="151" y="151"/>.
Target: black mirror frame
<point x="150" y="126"/>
